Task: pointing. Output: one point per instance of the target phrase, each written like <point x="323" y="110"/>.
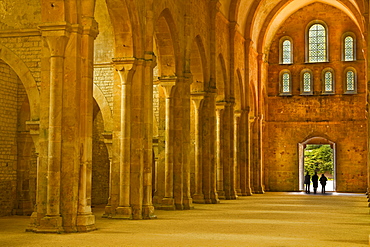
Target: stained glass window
<point x="287" y="52"/>
<point x="328" y="81"/>
<point x="286" y="82"/>
<point x="317" y="43"/>
<point x="350" y="80"/>
<point x="348" y="49"/>
<point x="307" y="82"/>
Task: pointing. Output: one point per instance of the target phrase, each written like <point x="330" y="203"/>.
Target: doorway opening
<point x="318" y="154"/>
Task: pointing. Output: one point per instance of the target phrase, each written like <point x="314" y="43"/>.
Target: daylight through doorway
<point x="317" y="155"/>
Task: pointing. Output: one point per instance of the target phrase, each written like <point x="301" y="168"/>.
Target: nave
<point x="271" y="219"/>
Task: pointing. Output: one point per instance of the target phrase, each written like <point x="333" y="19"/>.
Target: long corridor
<point x="271" y="219"/>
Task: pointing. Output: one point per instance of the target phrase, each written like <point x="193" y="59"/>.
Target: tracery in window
<point x="349" y="49"/>
<point x="285" y="87"/>
<point x="328" y="81"/>
<point x="350" y="80"/>
<point x="317" y="50"/>
<point x="287" y="52"/>
<point x="307" y="82"/>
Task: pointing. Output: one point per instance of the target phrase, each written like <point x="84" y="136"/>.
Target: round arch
<point x="26" y="78"/>
<point x="103" y="104"/>
<point x="315" y="139"/>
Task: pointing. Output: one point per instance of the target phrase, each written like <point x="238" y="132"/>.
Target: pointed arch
<point x="198" y="65"/>
<point x="168" y="47"/>
<point x="103" y="104"/>
<point x="221" y="79"/>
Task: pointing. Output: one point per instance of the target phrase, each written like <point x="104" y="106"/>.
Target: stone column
<point x="227" y="149"/>
<point x="197" y="99"/>
<point x="219" y="154"/>
<point x="56" y="37"/>
<point x="34" y="127"/>
<point x="148" y="208"/>
<point x="85" y="218"/>
<point x="168" y="202"/>
<point x="125" y="68"/>
<point x="108" y="143"/>
<point x="237" y="137"/>
<point x="244" y="160"/>
<point x="207" y="144"/>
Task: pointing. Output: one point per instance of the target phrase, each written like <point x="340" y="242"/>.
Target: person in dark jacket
<point x="307" y="181"/>
<point x="315" y="182"/>
<point x="323" y="180"/>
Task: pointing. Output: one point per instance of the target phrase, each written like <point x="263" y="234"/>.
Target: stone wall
<point x="100" y="166"/>
<point x="27" y="46"/>
<point x="8" y="138"/>
<point x="293" y="119"/>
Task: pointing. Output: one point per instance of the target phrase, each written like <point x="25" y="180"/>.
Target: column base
<point x="186" y="204"/>
<point x="49" y="224"/>
<point x="167" y="204"/>
<point x="86" y="223"/>
<point x="239" y="192"/>
<point x="148" y="213"/>
<point x="124" y="213"/>
<point x="107" y="211"/>
<point x="199" y="198"/>
<point x="221" y="194"/>
<point x="33" y="223"/>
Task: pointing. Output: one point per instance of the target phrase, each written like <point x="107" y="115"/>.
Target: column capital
<point x="150" y="59"/>
<point x="90" y="27"/>
<point x="124" y="63"/>
<point x="168" y="83"/>
<point x="238" y="113"/>
<point x="220" y="105"/>
<point x="197" y="98"/>
<point x="56" y="36"/>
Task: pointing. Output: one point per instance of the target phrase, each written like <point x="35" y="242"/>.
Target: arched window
<point x="286" y="52"/>
<point x="328" y="81"/>
<point x="349" y="48"/>
<point x="306" y="82"/>
<point x="317" y="44"/>
<point x="285" y="83"/>
<point x="350" y="81"/>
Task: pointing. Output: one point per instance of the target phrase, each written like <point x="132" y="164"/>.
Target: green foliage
<point x="318" y="158"/>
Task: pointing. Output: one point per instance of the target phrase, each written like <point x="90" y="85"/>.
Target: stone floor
<point x="271" y="219"/>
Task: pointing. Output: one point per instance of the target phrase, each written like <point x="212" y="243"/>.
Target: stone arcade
<point x="147" y="105"/>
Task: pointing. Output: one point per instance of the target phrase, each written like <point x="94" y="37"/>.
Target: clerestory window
<point x="317" y="44"/>
<point x="328" y="81"/>
<point x="286" y="51"/>
<point x="285" y="83"/>
<point x="350" y="81"/>
<point x="349" y="48"/>
<point x="306" y="82"/>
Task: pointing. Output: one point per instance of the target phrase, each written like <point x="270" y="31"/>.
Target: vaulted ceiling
<point x="259" y="19"/>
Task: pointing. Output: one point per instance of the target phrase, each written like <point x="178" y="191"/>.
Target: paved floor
<point x="272" y="219"/>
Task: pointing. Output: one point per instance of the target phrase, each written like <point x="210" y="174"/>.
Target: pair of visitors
<point x="315" y="182"/>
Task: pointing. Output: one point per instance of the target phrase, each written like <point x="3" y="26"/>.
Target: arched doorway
<point x="312" y="153"/>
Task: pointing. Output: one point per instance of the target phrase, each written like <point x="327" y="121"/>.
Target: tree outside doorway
<point x="320" y="158"/>
<point x="317" y="154"/>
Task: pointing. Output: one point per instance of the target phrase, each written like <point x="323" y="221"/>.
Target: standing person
<point x="307" y="182"/>
<point x="323" y="180"/>
<point x="315" y="182"/>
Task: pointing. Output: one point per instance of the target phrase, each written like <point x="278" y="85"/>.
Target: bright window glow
<point x="317" y="43"/>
